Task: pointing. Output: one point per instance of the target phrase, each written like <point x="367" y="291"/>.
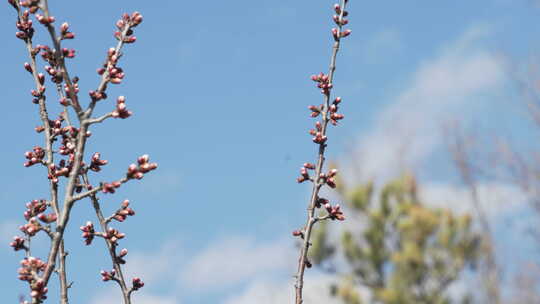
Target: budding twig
<point x="328" y="113"/>
<point x="36" y="272"/>
<point x="111" y="246"/>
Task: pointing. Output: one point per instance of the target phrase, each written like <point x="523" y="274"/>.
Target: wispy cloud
<point x="161" y="264"/>
<point x="236" y="260"/>
<point x="317" y="291"/>
<point x="111" y="296"/>
<point x="154" y="268"/>
<point x="408" y="130"/>
<point x="495" y="198"/>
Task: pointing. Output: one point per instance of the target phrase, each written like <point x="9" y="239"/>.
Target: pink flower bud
<point x="131" y="39"/>
<point x="28" y="67"/>
<point x="137" y="283"/>
<point x="297" y="233"/>
<point x="143" y="159"/>
<point x="68" y="35"/>
<point x="345" y="33"/>
<point x="64" y="27"/>
<point x="115" y="80"/>
<point x="309" y="166"/>
<point x="337" y="8"/>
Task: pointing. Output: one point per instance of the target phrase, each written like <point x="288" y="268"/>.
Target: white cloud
<point x="157" y="265"/>
<point x="152" y="267"/>
<point x="495" y="198"/>
<point x="316" y="291"/>
<point x="408" y="129"/>
<point x="230" y="262"/>
<point x="114" y="296"/>
<point x="154" y="299"/>
<point x="236" y="260"/>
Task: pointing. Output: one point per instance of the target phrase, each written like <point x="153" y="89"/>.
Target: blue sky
<point x="219" y="91"/>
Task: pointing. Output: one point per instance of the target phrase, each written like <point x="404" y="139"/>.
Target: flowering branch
<point x="72" y="143"/>
<point x="111" y="236"/>
<point x="328" y="112"/>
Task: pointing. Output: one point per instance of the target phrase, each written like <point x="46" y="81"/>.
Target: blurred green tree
<point x="401" y="250"/>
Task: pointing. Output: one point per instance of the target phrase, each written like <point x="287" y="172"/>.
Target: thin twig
<point x="318" y="182"/>
<point x="119" y="278"/>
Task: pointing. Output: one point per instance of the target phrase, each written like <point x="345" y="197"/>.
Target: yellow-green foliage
<point x="407" y="253"/>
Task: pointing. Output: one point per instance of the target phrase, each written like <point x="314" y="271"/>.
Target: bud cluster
<point x="34" y="208"/>
<point x="334" y="116"/>
<point x="124" y="211"/>
<point x="114" y="75"/>
<point x="125" y="24"/>
<point x="323" y="83"/>
<point x="29" y="267"/>
<point x="334" y="212"/>
<point x="31" y="227"/>
<point x="304" y="174"/>
<point x="25" y="27"/>
<point x="46" y="53"/>
<point x="65" y="33"/>
<point x="32" y="5"/>
<point x="113" y="235"/>
<point x="328" y="178"/>
<point x="68" y="146"/>
<point x="144" y="166"/>
<point x="47" y="218"/>
<point x="96" y="162"/>
<point x="18" y="243"/>
<point x="137" y="283"/>
<point x="74" y="88"/>
<point x="121" y="110"/>
<point x="39" y="290"/>
<point x="111" y="187"/>
<point x="56" y="75"/>
<point x="45" y="20"/>
<point x="318" y="134"/>
<point x="88" y="232"/>
<point x="57" y="171"/>
<point x="108" y="275"/>
<point x="35" y="156"/>
<point x="340" y="21"/>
